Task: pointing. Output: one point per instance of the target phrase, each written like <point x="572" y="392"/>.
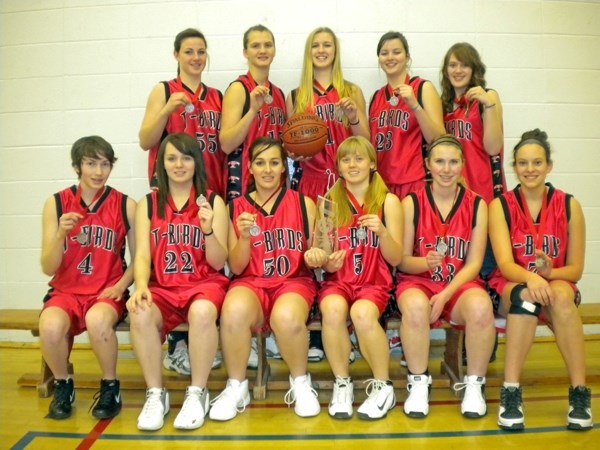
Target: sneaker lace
<point x="510" y="399"/>
<point x="61" y="393"/>
<point x="180" y="356"/>
<point x="580" y="400"/>
<point x="374" y="387"/>
<point x="102" y="398"/>
<point x="292" y="393"/>
<point x="152" y="404"/>
<point x="228" y="396"/>
<point x="341" y="394"/>
<point x="192" y="400"/>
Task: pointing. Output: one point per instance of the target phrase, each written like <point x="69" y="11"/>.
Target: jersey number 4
<point x="85" y="266"/>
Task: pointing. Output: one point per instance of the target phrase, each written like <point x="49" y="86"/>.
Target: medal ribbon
<point x="253" y="81"/>
<point x="86" y="210"/>
<point x="255" y="203"/>
<point x="536" y="231"/>
<point x="462" y="102"/>
<point x="441" y="224"/>
<point x="357" y="206"/>
<point x="393" y="92"/>
<point x="196" y="98"/>
<point x="192" y="208"/>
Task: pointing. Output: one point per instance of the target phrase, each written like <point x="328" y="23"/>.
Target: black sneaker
<point x="64" y="396"/>
<point x="107" y="401"/>
<point x="510" y="414"/>
<point x="579" y="417"/>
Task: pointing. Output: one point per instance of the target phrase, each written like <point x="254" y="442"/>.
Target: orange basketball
<point x="304" y="135"/>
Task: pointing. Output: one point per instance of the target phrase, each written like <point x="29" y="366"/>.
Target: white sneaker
<point x="195" y="407"/>
<point x="233" y="400"/>
<point x="253" y="357"/>
<point x="342" y="397"/>
<point x="302" y="393"/>
<point x="380" y="399"/>
<point x="473" y="405"/>
<point x="155" y="409"/>
<point x="179" y="361"/>
<point x="218" y="361"/>
<point x="417" y="403"/>
<point x="315" y="354"/>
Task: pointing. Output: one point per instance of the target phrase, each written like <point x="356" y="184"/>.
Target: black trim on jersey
<point x="455" y="207"/>
<point x="259" y="209"/>
<point x="230" y="208"/>
<point x="475" y="209"/>
<point x="568" y="198"/>
<point x="150" y="206"/>
<point x="551" y="190"/>
<point x="124" y="213"/>
<point x="505" y="210"/>
<point x="59" y="208"/>
<point x="211" y="199"/>
<point x="100" y="201"/>
<point x="416" y="209"/>
<point x="305" y="223"/>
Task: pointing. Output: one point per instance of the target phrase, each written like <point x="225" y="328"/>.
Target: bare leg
<point x="371" y="337"/>
<point x="100" y="321"/>
<point x="203" y="340"/>
<point x="54" y="340"/>
<point x="414" y="329"/>
<point x="336" y="340"/>
<point x="145" y="330"/>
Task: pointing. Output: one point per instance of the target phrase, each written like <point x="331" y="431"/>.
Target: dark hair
<point x="261" y="145"/>
<point x="186" y="34"/>
<point x="259" y="28"/>
<point x="187" y="145"/>
<point x="391" y="35"/>
<point x="94" y="147"/>
<point x="536" y="136"/>
<point x="469" y="56"/>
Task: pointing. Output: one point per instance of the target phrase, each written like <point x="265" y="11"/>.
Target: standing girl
<point x="252" y="107"/>
<point x="404" y="115"/>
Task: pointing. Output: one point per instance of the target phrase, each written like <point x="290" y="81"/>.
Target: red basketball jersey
<point x="269" y="121"/>
<point x="319" y="173"/>
<point x="364" y="263"/>
<point x="556" y="232"/>
<point x="88" y="269"/>
<point x="277" y="253"/>
<point x="177" y="246"/>
<point x="204" y="124"/>
<point x="396" y="136"/>
<point x="460" y="221"/>
<point x="483" y="173"/>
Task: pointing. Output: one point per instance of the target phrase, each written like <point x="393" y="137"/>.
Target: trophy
<point x="325" y="234"/>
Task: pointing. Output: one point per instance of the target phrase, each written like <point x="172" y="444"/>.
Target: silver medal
<point x="254" y="230"/>
<point x="200" y="200"/>
<point x="540" y="262"/>
<point x="361" y="233"/>
<point x="82" y="238"/>
<point x="189" y="108"/>
<point x="339" y="114"/>
<point x="268" y="98"/>
<point x="441" y="247"/>
<point x="394" y="100"/>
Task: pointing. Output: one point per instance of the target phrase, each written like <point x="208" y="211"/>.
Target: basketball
<point x="304" y="135"/>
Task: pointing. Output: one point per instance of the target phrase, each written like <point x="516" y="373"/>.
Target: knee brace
<point x="520" y="306"/>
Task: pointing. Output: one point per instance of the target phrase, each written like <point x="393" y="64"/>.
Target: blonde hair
<point x="376" y="192"/>
<point x="305" y="102"/>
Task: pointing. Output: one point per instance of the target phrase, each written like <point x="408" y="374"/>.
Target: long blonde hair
<point x="376" y="192"/>
<point x="305" y="99"/>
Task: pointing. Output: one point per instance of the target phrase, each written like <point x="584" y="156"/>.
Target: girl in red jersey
<point x="538" y="236"/>
<point x="186" y="105"/>
<point x="269" y="231"/>
<point x="404" y="115"/>
<point x="252" y="107"/>
<point x="358" y="281"/>
<point x="324" y="92"/>
<point x="445" y="231"/>
<point x="181" y="237"/>
<point x="473" y="114"/>
<point x="83" y="246"/>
